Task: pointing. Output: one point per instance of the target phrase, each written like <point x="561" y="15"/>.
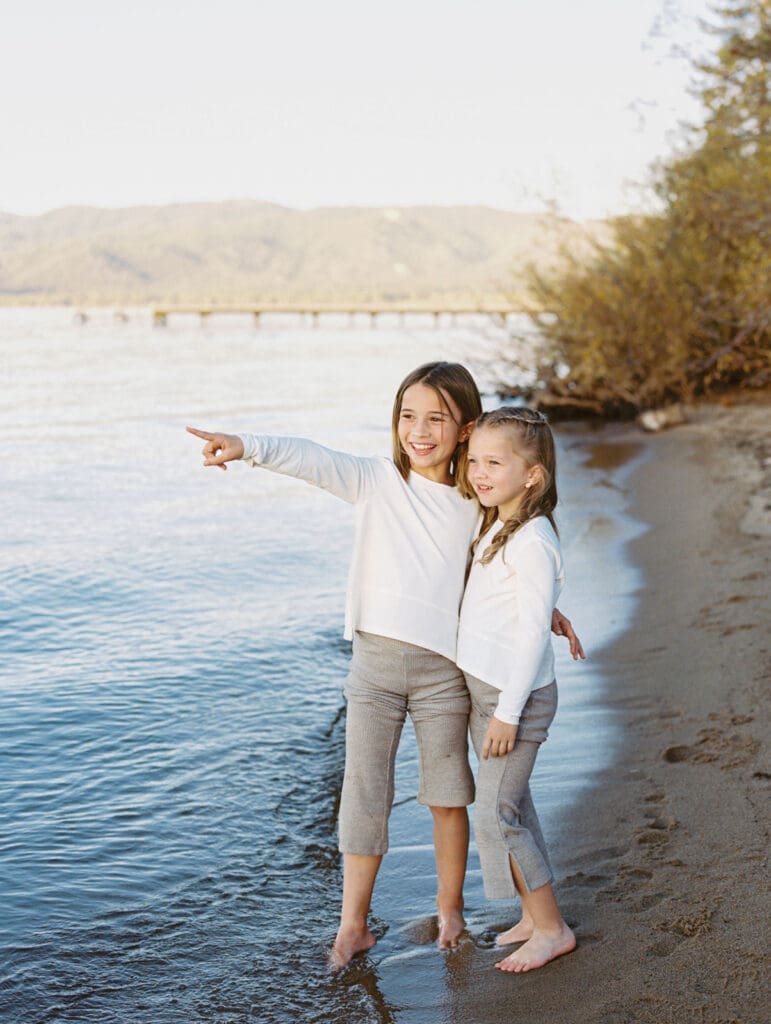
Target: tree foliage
<point x="678" y="303"/>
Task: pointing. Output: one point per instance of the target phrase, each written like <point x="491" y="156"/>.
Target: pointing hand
<point x="219" y="448"/>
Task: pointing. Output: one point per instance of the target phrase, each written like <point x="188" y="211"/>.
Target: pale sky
<point x="341" y="102"/>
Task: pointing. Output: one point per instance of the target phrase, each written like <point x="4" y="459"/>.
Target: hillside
<point x="243" y="251"/>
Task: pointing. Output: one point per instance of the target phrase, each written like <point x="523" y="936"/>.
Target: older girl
<point x="504" y="649"/>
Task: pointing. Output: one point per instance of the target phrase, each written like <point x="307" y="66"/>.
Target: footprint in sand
<point x="688" y="926"/>
<point x="651" y="837"/>
<point x="682" y="753"/>
<point x="587" y="881"/>
<point x="680" y="928"/>
<point x="647" y="902"/>
<point x="662" y="822"/>
<point x="664" y="947"/>
<point x="630" y="877"/>
<point x="655" y="832"/>
<point x="726" y="718"/>
<point x="635" y="873"/>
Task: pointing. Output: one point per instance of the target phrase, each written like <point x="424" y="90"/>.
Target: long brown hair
<point x="533" y="440"/>
<point x="448" y="380"/>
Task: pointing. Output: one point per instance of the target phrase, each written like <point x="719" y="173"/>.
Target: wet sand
<point x="662" y="863"/>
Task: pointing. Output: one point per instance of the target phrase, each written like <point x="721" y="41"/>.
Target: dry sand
<point x="665" y="859"/>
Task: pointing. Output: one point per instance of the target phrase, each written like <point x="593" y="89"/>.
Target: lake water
<point x="172" y="661"/>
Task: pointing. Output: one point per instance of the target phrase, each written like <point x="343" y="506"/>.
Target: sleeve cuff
<point x="504" y="715"/>
<point x="251" y="445"/>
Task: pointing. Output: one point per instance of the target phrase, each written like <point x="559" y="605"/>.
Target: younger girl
<point x="413" y="531"/>
<point x="505" y="652"/>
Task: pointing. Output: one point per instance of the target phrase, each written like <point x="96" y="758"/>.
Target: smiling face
<point x="429" y="430"/>
<point x="498" y="473"/>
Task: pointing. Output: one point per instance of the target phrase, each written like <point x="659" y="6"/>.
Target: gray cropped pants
<point x="388" y="679"/>
<point x="505" y="821"/>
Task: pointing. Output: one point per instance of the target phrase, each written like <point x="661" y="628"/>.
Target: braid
<point x="536" y="444"/>
<point x="489" y="515"/>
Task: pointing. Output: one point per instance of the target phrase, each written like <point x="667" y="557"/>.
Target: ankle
<point x="353" y="926"/>
<point x="450" y="904"/>
<point x="550" y="929"/>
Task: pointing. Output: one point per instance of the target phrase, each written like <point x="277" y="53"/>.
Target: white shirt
<point x="411" y="545"/>
<point x="504" y="637"/>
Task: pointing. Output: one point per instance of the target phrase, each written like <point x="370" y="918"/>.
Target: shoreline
<point x="659" y="862"/>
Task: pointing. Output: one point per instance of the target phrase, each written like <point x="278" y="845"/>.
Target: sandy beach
<point x="663" y="863"/>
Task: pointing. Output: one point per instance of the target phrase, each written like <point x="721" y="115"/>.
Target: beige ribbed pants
<point x="388" y="680"/>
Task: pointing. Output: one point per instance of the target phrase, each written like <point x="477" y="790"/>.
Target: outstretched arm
<point x="350" y="477"/>
<point x="561" y="626"/>
<point x="219" y="448"/>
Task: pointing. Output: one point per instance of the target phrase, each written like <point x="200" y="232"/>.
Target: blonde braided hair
<point x="533" y="440"/>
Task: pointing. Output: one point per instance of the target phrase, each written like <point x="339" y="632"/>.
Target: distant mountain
<point x="246" y="251"/>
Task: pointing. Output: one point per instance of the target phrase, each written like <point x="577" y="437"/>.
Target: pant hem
<point x="363" y="853"/>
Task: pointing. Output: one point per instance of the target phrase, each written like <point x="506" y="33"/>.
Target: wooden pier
<point x="498" y="311"/>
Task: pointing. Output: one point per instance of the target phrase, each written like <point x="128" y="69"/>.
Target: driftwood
<point x="654" y="420"/>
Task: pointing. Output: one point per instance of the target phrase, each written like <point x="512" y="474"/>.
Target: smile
<point x="422" y="449"/>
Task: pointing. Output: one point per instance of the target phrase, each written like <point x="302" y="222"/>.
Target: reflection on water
<point x="170" y="689"/>
<point x="607" y="455"/>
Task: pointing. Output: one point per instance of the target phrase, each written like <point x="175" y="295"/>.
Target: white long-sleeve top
<point x="504" y="637"/>
<point x="411" y="543"/>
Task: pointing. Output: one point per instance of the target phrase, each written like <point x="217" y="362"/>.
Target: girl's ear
<point x="465" y="431"/>
<point x="534" y="477"/>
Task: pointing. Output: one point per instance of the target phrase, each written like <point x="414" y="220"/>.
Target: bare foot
<point x="521" y="932"/>
<point x="451" y="925"/>
<point x="540" y="948"/>
<point x="349" y="942"/>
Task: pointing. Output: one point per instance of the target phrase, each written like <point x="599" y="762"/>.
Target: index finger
<point x="200" y="433"/>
